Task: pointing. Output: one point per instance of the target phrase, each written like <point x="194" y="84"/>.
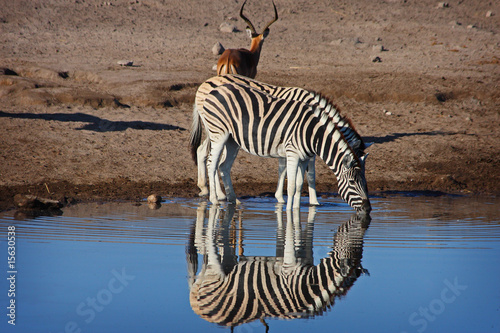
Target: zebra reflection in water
<point x="232" y="289"/>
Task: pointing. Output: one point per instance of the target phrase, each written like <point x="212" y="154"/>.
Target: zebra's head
<point x="352" y="183"/>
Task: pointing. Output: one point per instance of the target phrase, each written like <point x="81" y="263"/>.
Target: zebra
<point x="236" y="115"/>
<point x="231" y="290"/>
<point x="292" y="93"/>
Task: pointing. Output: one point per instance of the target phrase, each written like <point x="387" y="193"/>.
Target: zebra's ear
<point x="363" y="158"/>
<point x="348" y="161"/>
<point x="356" y="145"/>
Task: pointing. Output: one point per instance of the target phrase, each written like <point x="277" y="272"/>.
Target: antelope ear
<point x="249" y="32"/>
<point x="265" y="33"/>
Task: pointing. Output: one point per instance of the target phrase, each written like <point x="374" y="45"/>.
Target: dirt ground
<point x="77" y="126"/>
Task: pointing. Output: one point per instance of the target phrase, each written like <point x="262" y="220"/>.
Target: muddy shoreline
<point x="126" y="190"/>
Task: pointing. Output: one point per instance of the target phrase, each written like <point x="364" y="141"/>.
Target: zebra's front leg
<point x="311" y="182"/>
<point x="281" y="180"/>
<point x="225" y="166"/>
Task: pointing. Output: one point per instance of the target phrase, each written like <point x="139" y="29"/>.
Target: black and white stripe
<point x="231" y="290"/>
<point x="290" y="93"/>
<point x="236" y="115"/>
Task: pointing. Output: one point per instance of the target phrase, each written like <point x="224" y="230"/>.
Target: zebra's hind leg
<point x="281" y="180"/>
<point x="225" y="166"/>
<point x="202" y="154"/>
<point x="299" y="183"/>
<point x="292" y="169"/>
<point x="220" y="193"/>
<point x="311" y="182"/>
<point x="216" y="147"/>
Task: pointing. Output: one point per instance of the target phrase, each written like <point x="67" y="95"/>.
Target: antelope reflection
<point x="233" y="289"/>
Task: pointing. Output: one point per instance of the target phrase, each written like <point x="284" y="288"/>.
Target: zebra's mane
<point x="325" y="102"/>
<point x="328" y="109"/>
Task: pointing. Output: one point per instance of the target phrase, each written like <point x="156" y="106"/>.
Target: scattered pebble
<point x="379" y="48"/>
<point x="376" y="59"/>
<point x="489" y="13"/>
<point x="154" y="199"/>
<point x="471" y="26"/>
<point x="217" y="48"/>
<point x="125" y="63"/>
<point x="336" y="42"/>
<point x="443" y="5"/>
<point x="226" y="27"/>
<point x="387" y="113"/>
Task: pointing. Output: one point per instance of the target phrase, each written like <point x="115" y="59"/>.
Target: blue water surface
<point x="429" y="264"/>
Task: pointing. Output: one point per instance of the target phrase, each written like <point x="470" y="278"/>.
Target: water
<point x="422" y="264"/>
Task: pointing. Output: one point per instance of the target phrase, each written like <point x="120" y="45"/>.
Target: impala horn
<point x="250" y="25"/>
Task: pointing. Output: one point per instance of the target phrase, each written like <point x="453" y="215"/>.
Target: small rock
<point x="218" y="48"/>
<point x="31" y="202"/>
<point x="154" y="199"/>
<point x="376" y="59"/>
<point x="471" y="26"/>
<point x="489" y="13"/>
<point x="226" y="27"/>
<point x="7" y="71"/>
<point x="214" y="67"/>
<point x="336" y="42"/>
<point x="125" y="63"/>
<point x="443" y="5"/>
<point x="379" y="48"/>
<point x="387" y="113"/>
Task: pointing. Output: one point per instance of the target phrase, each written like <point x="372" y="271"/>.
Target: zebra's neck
<point x="330" y="144"/>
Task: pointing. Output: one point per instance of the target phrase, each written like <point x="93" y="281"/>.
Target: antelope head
<point x="243" y="61"/>
<point x="252" y="33"/>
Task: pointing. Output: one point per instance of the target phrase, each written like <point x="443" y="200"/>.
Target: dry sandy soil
<point x="74" y="124"/>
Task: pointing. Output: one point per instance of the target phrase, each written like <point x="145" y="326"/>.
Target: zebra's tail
<point x="195" y="135"/>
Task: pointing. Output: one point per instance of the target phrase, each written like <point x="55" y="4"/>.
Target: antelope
<point x="243" y="61"/>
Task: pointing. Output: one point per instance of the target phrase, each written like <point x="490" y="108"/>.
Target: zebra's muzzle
<point x="365" y="206"/>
